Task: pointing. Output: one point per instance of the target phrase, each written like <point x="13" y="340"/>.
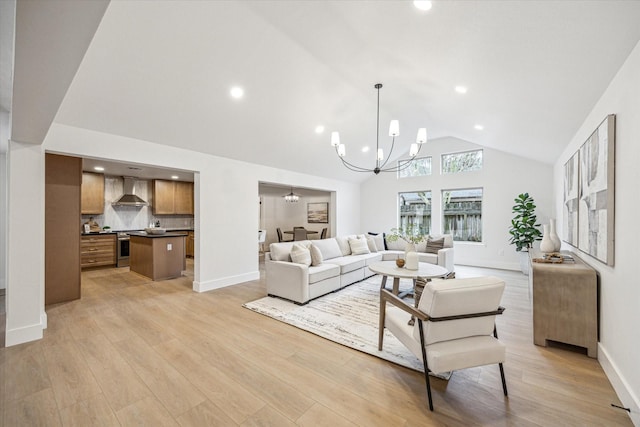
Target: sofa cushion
<point x="396" y="245"/>
<point x="323" y="271"/>
<point x="371" y="243"/>
<point x="316" y="255"/>
<point x="329" y="248"/>
<point x="448" y="239"/>
<point x="300" y="254"/>
<point x="349" y="263"/>
<point x="358" y="246"/>
<point x="343" y="243"/>
<point x="434" y="245"/>
<point x="280" y="251"/>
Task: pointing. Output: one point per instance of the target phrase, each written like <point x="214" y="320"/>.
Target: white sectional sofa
<point x="332" y="264"/>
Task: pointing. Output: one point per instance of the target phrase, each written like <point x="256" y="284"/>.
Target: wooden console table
<point x="565" y="303"/>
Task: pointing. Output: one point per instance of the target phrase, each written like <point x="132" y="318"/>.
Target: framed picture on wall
<point x="318" y="212"/>
<point x="596" y="193"/>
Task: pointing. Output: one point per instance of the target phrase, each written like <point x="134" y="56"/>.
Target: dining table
<point x="308" y="232"/>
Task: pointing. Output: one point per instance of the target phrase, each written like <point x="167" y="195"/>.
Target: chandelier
<point x="381" y="162"/>
<point x="291" y="197"/>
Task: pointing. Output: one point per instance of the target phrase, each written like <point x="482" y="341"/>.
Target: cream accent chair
<point x="455" y="326"/>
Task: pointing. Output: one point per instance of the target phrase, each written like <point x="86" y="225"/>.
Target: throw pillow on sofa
<point x="316" y="255"/>
<point x="434" y="245"/>
<point x="372" y="244"/>
<point x="300" y="254"/>
<point x="358" y="246"/>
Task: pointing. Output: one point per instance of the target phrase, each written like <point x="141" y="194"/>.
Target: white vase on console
<point x="554" y="236"/>
<point x="546" y="245"/>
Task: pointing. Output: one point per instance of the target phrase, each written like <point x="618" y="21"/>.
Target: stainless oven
<point x="123" y="250"/>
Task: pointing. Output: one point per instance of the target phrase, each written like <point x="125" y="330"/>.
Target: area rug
<point x="348" y="317"/>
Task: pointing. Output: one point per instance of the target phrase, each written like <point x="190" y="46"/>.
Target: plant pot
<point x="524" y="262"/>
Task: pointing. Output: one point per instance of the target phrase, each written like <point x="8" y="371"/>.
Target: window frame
<point x="401" y="162"/>
<point x="443" y="221"/>
<point x="430" y="216"/>
<point x="443" y="172"/>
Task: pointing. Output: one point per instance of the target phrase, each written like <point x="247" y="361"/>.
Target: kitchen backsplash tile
<point x="130" y="217"/>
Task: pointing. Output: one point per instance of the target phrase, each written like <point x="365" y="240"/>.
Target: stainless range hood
<point x="129" y="197"/>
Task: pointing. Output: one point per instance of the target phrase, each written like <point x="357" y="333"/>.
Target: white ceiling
<point x="161" y="71"/>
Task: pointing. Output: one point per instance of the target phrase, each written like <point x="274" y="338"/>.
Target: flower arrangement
<point x="410" y="234"/>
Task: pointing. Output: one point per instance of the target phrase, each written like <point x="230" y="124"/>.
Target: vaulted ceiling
<point x="162" y="72"/>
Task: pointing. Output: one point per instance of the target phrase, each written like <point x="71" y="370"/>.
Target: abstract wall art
<point x="596" y="193"/>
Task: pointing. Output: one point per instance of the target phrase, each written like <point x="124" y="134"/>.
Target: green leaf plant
<point x="524" y="229"/>
<point x="410" y="234"/>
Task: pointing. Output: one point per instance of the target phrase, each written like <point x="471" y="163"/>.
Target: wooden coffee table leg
<point x="396" y="285"/>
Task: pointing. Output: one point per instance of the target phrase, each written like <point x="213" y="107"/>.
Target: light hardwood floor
<point x="135" y="352"/>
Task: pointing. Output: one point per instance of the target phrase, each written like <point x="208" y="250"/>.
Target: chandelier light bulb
<point x="413" y="150"/>
<point x="335" y="139"/>
<point x="342" y="150"/>
<point x="394" y="128"/>
<point x="422" y="136"/>
<point x="380" y="154"/>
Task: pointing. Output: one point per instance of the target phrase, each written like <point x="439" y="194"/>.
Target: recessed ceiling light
<point x="365" y="149"/>
<point x="478" y="127"/>
<point x="422" y="4"/>
<point x="237" y="92"/>
<point x="98" y="168"/>
<point x="319" y="129"/>
<point x="461" y="89"/>
<point x="174" y="177"/>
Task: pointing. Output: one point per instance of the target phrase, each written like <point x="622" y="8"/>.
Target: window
<point x="418" y="167"/>
<point x="462" y="214"/>
<point x="462" y="162"/>
<point x="415" y="210"/>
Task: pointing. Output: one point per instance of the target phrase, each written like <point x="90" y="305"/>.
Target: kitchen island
<point x="158" y="256"/>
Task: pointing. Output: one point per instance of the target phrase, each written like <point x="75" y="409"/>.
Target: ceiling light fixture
<point x="291" y="197"/>
<point x="319" y="129"/>
<point x="422" y="5"/>
<point x="461" y="89"/>
<point x="381" y="162"/>
<point x="478" y="127"/>
<point x="174" y="177"/>
<point x="98" y="168"/>
<point x="237" y="92"/>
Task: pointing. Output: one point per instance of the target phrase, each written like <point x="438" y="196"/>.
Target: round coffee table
<point x="390" y="269"/>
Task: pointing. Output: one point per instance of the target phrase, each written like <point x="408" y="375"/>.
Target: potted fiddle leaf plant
<point x="524" y="229"/>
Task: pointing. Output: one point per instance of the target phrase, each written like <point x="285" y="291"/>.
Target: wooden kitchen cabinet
<point x="92" y="193"/>
<point x="98" y="250"/>
<point x="172" y="197"/>
<point x="183" y="198"/>
<point x="190" y="249"/>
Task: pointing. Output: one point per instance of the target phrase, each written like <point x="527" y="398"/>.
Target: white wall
<point x="225" y="221"/>
<point x="502" y="178"/>
<point x="3" y="219"/>
<point x="25" y="237"/>
<point x="619" y="348"/>
<point x="278" y="213"/>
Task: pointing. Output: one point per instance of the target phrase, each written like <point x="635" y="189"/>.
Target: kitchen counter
<point x="157" y="256"/>
<point x="155" y="236"/>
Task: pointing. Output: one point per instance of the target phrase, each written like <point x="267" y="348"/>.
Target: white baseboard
<point x="43" y="319"/>
<point x="625" y="394"/>
<point x="492" y="264"/>
<point x="24" y="334"/>
<point x="226" y="281"/>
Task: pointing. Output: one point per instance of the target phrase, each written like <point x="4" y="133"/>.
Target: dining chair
<point x="280" y="238"/>
<point x="262" y="237"/>
<point x="299" y="233"/>
<point x="323" y="234"/>
<point x="297" y="227"/>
